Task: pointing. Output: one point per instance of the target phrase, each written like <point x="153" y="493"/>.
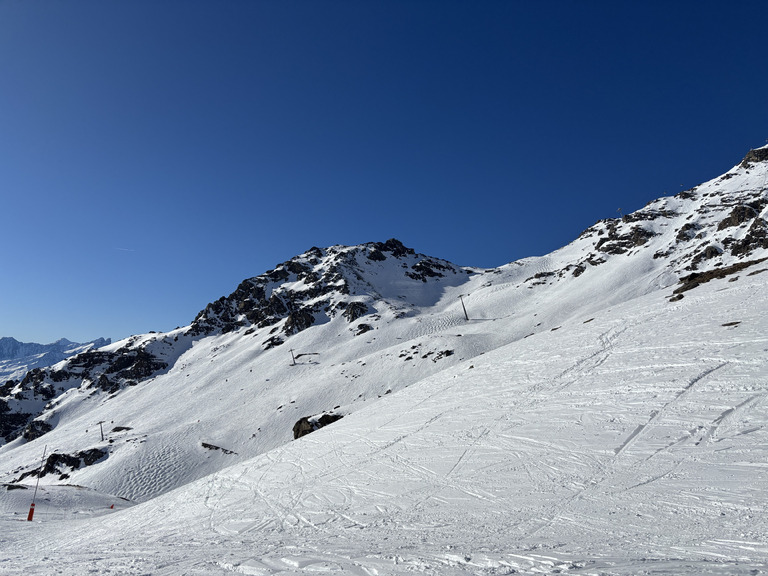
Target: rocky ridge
<point x="308" y="289"/>
<point x="719" y="225"/>
<point x="318" y="285"/>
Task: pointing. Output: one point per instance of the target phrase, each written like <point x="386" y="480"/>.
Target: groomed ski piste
<point x="590" y="423"/>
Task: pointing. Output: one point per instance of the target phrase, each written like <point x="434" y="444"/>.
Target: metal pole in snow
<point x="34" y="496"/>
<point x="293" y="358"/>
<point x="466" y="316"/>
<point x="102" y="430"/>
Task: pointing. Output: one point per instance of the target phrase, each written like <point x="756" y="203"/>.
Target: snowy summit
<point x="372" y="410"/>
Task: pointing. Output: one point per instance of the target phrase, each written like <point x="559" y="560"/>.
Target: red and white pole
<point x="39" y="473"/>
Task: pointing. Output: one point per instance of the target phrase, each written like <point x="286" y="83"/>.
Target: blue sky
<point x="154" y="153"/>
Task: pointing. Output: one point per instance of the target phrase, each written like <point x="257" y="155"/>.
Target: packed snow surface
<point x="631" y="442"/>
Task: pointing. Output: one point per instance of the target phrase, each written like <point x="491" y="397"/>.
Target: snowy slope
<point x="602" y="411"/>
<point x="616" y="446"/>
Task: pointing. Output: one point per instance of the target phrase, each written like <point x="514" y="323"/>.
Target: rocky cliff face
<point x="719" y="225"/>
<point x="318" y="285"/>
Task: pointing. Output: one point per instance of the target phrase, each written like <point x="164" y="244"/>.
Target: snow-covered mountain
<point x="598" y="410"/>
<point x="17" y="358"/>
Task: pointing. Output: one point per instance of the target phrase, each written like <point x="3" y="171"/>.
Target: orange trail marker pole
<point x="39" y="473"/>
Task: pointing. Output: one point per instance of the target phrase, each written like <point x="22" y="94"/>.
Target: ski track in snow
<point x="595" y="483"/>
<point x="584" y="451"/>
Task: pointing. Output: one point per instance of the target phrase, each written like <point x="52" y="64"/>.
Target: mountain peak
<point x="319" y="284"/>
<point x="755" y="156"/>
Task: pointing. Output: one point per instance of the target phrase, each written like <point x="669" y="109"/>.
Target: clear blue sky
<point x="154" y="153"/>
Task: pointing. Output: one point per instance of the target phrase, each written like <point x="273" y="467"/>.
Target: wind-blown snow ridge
<point x="602" y="411"/>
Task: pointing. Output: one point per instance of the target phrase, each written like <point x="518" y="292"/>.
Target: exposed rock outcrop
<point x="309" y="424"/>
<point x="755" y="156"/>
<point x="35" y="429"/>
<point x="738" y="215"/>
<point x="697" y="278"/>
<point x="63" y="464"/>
<point x="97" y="370"/>
<point x="314" y="287"/>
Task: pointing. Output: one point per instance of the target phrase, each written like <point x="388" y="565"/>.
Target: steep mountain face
<point x="716" y="225"/>
<point x="372" y="280"/>
<point x="321" y="284"/>
<point x="359" y="322"/>
<point x="711" y="230"/>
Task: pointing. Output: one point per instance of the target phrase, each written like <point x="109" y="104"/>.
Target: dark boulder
<point x="363" y="328"/>
<point x="687" y="232"/>
<point x="273" y="342"/>
<point x="708" y="253"/>
<point x="309" y="424"/>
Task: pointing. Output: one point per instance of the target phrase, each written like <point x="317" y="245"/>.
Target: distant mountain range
<point x="17" y="358"/>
